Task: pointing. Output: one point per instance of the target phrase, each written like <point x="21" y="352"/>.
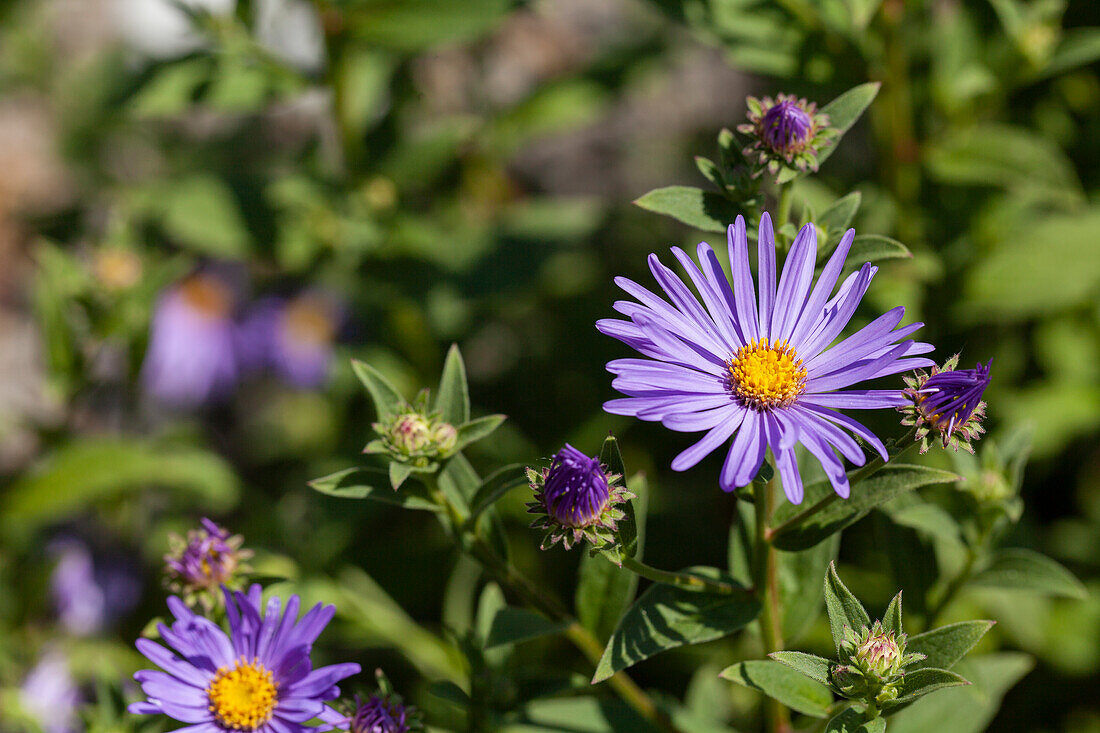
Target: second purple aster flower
<point x="757" y="365"/>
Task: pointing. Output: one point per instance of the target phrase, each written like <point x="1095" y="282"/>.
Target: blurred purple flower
<point x="209" y="557"/>
<point x="50" y="695"/>
<point x="89" y="593"/>
<point x="192" y="357"/>
<point x="378" y="714"/>
<point x="258" y="677"/>
<point x="291" y="337"/>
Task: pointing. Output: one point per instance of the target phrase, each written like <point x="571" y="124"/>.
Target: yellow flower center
<point x="766" y="376"/>
<point x="244" y="697"/>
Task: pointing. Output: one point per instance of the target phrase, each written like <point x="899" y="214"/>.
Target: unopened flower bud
<point x="947" y="401"/>
<point x="880" y="655"/>
<point x="786" y="130"/>
<point x="411" y="433"/>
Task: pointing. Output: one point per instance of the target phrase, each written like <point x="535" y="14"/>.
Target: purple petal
<point x="716" y="437"/>
<point x="720" y="316"/>
<point x="857" y="399"/>
<point x="766" y="263"/>
<point x="745" y="454"/>
<point x="854" y="373"/>
<point x="838" y="312"/>
<point x="874" y="335"/>
<point x="781" y="439"/>
<point x="824" y="288"/>
<point x="743" y="289"/>
<point x="794" y="285"/>
<point x="843" y="420"/>
<point x="322" y="679"/>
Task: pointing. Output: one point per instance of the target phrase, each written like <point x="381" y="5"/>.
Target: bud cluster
<point x="577" y="499"/>
<point x="786" y="131"/>
<point x="872" y="664"/>
<point x="415" y="436"/>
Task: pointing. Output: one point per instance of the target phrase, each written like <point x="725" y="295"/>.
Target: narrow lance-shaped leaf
<point x="475" y="430"/>
<point x="495" y="486"/>
<point x="945" y="646"/>
<point x="695" y="207"/>
<point x="811" y="665"/>
<point x="368" y="483"/>
<point x="891" y="620"/>
<point x="452" y="400"/>
<point x="387" y="400"/>
<point x="667" y="617"/>
<point x="1022" y="569"/>
<point x="875" y="247"/>
<point x="398" y="473"/>
<point x="783" y="684"/>
<point x="844" y="608"/>
<point x="920" y="682"/>
<point x="512" y="625"/>
<point x="837" y="217"/>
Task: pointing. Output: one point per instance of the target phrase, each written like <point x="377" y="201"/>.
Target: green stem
<point x="766" y="587"/>
<point x="688" y="581"/>
<point x="511" y="579"/>
<point x="783" y="214"/>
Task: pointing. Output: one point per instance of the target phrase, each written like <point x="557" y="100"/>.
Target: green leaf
<point x="1021" y="569"/>
<point x="475" y="430"/>
<point x="666" y="617"/>
<point x="611" y="456"/>
<point x="459" y="481"/>
<point x="493" y="488"/>
<point x="695" y="207"/>
<point x="891" y="620"/>
<point x="414" y="25"/>
<point x="784" y="684"/>
<point x="368" y="483"/>
<point x="512" y="625"/>
<point x="843" y="112"/>
<point x="889" y="482"/>
<point x="811" y="665"/>
<point x="875" y="247"/>
<point x="398" y="473"/>
<point x="837" y="217"/>
<point x="201" y="213"/>
<point x="944" y="646"/>
<point x="1008" y="157"/>
<point x="449" y="691"/>
<point x="844" y="609"/>
<point x="920" y="682"/>
<point x="91" y="471"/>
<point x="1079" y="46"/>
<point x="605" y="590"/>
<point x="967" y="709"/>
<point x="579" y="715"/>
<point x="387" y="401"/>
<point x="852" y="720"/>
<point x="710" y="171"/>
<point x="452" y="400"/>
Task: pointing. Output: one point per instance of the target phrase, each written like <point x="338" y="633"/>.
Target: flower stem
<point x="688" y="581"/>
<point x="766" y="587"/>
<point x="510" y="578"/>
<point x="786" y="197"/>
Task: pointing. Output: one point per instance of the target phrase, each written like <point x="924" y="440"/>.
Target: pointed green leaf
<point x="875" y="247"/>
<point x="452" y="400"/>
<point x="966" y="709"/>
<point x="493" y="488"/>
<point x="629" y="528"/>
<point x="666" y="617"/>
<point x="387" y="401"/>
<point x="783" y="684"/>
<point x="459" y="481"/>
<point x="611" y="457"/>
<point x="452" y="693"/>
<point x="839" y="216"/>
<point x="852" y="720"/>
<point x="811" y="665"/>
<point x="844" y="608"/>
<point x="835" y="514"/>
<point x="605" y="590"/>
<point x="1021" y="569"/>
<point x="922" y="681"/>
<point x="695" y="207"/>
<point x="891" y="620"/>
<point x="512" y="625"/>
<point x="843" y="112"/>
<point x="946" y="645"/>
<point x="398" y="473"/>
<point x="368" y="483"/>
<point x="711" y="171"/>
<point x="475" y="430"/>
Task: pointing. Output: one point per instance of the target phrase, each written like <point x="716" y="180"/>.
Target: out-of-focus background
<point x="208" y="207"/>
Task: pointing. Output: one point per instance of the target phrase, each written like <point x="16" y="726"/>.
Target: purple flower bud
<point x="210" y="557"/>
<point x="786" y="126"/>
<point x="379" y="714"/>
<point x="785" y="131"/>
<point x="575" y="491"/>
<point x="949" y="402"/>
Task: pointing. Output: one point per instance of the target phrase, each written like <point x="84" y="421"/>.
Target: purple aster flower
<point x="759" y="368"/>
<point x="577" y="498"/>
<point x="89" y="593"/>
<point x="50" y="695"/>
<point x="207" y="559"/>
<point x="292" y="337"/>
<point x="785" y="130"/>
<point x="949" y="402"/>
<point x="192" y="358"/>
<point x="258" y="677"/>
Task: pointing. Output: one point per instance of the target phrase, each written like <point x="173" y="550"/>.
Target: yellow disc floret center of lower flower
<point x="243" y="698"/>
<point x="766" y="376"/>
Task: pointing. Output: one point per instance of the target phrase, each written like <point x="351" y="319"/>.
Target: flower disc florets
<point x="872" y="663"/>
<point x="415" y="436"/>
<point x="948" y="401"/>
<point x="785" y="131"/>
<point x="203" y="562"/>
<point x="764" y="376"/>
<point x="577" y="499"/>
